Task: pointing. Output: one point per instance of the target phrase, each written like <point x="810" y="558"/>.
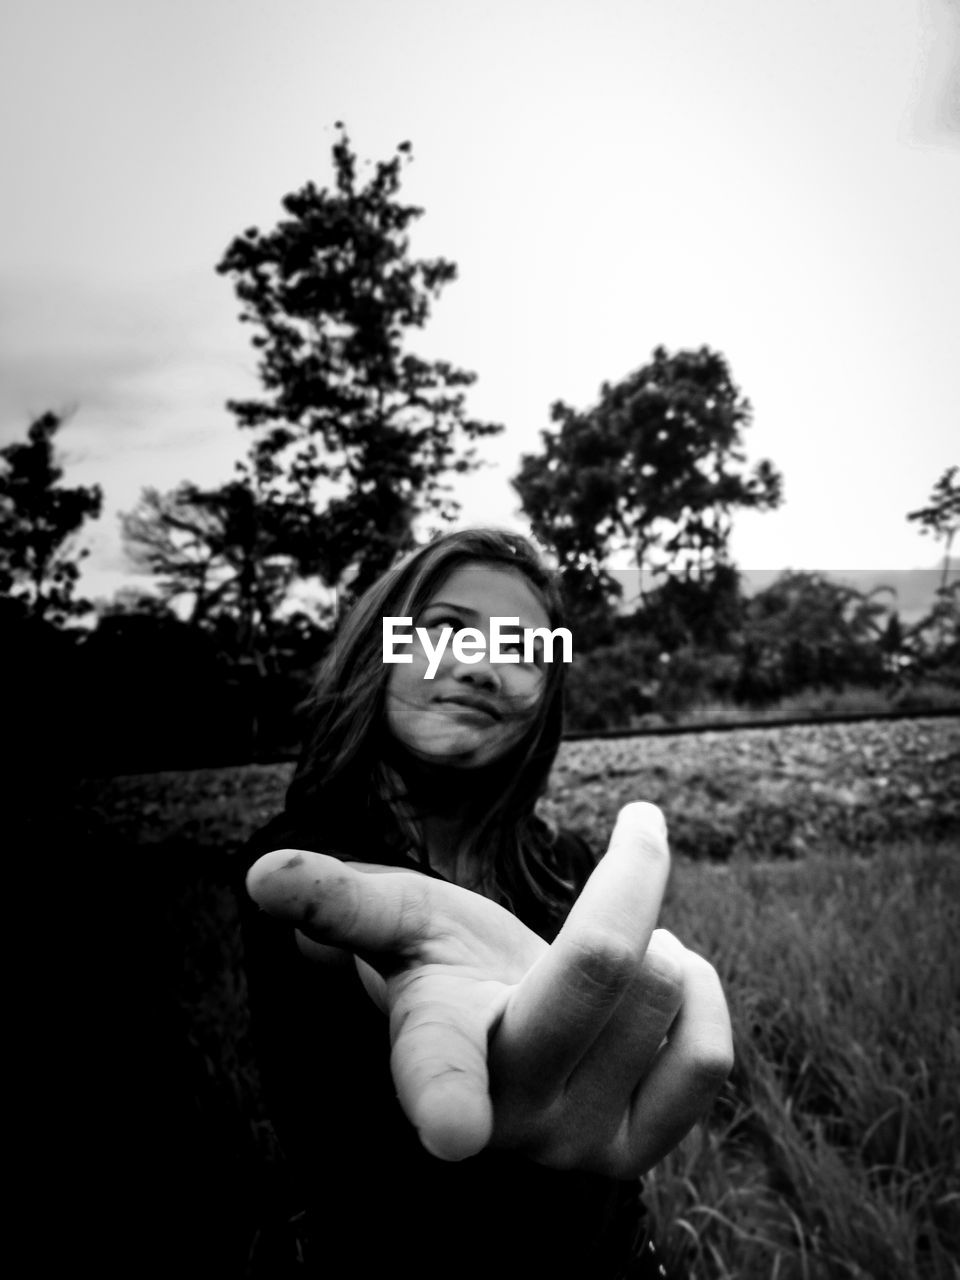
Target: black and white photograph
<point x="480" y="633"/>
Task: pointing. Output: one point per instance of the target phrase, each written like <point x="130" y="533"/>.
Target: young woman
<point x="473" y="1039"/>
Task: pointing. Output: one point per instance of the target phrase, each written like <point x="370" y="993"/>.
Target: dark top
<point x="376" y="1203"/>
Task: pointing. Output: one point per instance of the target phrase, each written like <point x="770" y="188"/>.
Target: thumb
<point x="336" y="903"/>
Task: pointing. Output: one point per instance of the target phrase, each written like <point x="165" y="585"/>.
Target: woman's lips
<point x="475" y="706"/>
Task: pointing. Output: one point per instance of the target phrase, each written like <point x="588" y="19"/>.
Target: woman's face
<point x="468" y="714"/>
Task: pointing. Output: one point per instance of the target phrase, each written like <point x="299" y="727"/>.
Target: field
<point x="817" y="867"/>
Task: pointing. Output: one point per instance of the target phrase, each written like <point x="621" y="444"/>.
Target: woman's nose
<point x="481" y="674"/>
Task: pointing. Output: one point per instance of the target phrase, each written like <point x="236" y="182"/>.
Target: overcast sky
<point x="780" y="181"/>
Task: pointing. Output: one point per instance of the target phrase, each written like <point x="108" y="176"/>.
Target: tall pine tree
<point x="355" y="434"/>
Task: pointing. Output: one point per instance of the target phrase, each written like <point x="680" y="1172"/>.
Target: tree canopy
<point x="220" y="549"/>
<point x="39" y="516"/>
<point x="940" y="518"/>
<point x="654" y="467"/>
<point x="355" y="434"/>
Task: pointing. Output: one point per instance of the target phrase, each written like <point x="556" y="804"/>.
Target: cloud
<point x="142" y="373"/>
<point x="141" y="348"/>
<point x="935" y="110"/>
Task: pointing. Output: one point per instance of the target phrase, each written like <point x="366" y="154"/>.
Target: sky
<point x="779" y="181"/>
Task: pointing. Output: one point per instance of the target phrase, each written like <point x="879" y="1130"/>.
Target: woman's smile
<point x="471" y="706"/>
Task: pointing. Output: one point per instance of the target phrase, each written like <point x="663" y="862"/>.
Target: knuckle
<point x="433" y="1043"/>
<point x="712" y="1064"/>
<point x="606" y="961"/>
<point x="663" y="988"/>
<point x="664" y="965"/>
<point x="703" y="975"/>
<point x="413" y="908"/>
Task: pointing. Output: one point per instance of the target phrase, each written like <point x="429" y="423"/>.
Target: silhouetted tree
<point x="222" y="550"/>
<point x="39" y="516"/>
<point x="355" y="434"/>
<point x="935" y="639"/>
<point x="703" y="611"/>
<point x="655" y="469"/>
<point x="941" y="516"/>
<point x="807" y="631"/>
<point x="937" y="636"/>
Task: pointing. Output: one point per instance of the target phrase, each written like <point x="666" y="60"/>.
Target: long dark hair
<point x="343" y="780"/>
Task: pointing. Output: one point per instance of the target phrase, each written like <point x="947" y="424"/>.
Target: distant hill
<point x="914" y="590"/>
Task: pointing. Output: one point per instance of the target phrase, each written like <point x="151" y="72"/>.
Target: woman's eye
<point x="445" y="620"/>
<point x="536" y="658"/>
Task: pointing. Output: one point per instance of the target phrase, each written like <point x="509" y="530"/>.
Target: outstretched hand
<point x="598" y="1052"/>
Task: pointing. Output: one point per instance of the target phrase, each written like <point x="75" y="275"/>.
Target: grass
<point x="830" y="904"/>
<point x="832" y="1152"/>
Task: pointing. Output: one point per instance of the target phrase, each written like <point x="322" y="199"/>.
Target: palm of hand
<point x="445" y="996"/>
<point x="597" y="1053"/>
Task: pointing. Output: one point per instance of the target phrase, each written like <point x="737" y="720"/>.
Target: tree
<point x="808" y="631"/>
<point x="941" y="516"/>
<point x="704" y="612"/>
<point x="223" y="550"/>
<point x="39" y="518"/>
<point x="354" y="434"/>
<point x="655" y="468"/>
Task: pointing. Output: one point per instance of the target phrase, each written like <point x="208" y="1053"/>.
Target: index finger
<point x="335" y="903"/>
<point x="565" y="1000"/>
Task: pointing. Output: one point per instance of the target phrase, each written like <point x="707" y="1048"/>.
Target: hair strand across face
<point x="346" y="778"/>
